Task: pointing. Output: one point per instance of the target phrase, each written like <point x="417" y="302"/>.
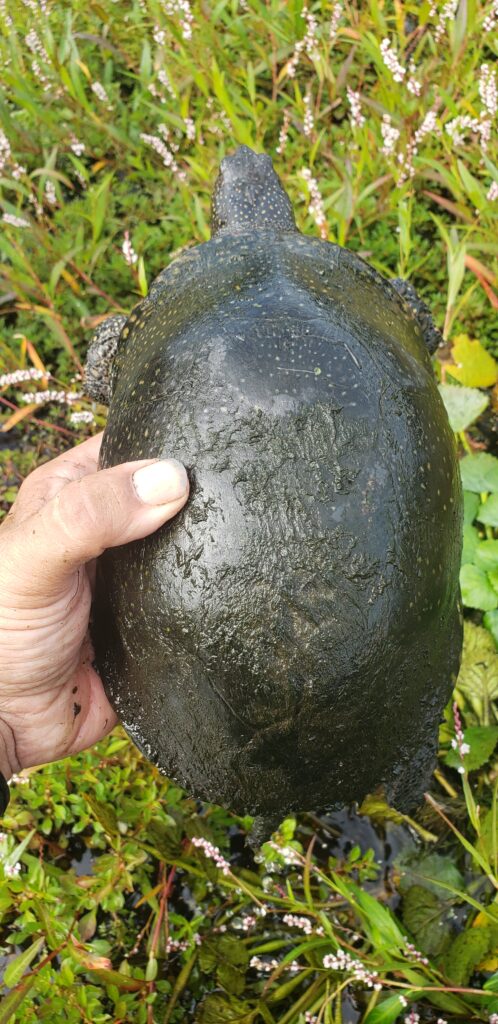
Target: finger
<point x="90" y="514"/>
<point x="46" y="481"/>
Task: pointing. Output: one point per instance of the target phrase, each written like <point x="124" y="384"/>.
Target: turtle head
<point x="248" y="194"/>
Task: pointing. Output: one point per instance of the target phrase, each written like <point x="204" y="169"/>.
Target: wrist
<point x="9" y="762"/>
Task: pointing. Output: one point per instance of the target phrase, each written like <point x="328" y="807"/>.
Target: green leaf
<point x="229" y="957"/>
<point x="482" y="740"/>
<point x="491" y="623"/>
<point x="166" y="837"/>
<point x="478" y="677"/>
<point x="378" y="810"/>
<point x="13" y="1000"/>
<point x="493" y="579"/>
<point x="142" y="277"/>
<point x="145" y="62"/>
<point x="15" y="855"/>
<point x="378" y="921"/>
<point x="475" y="367"/>
<point x="462" y="404"/>
<point x="488" y="835"/>
<point x="386" y="1012"/>
<point x="477" y="591"/>
<point x="121" y="981"/>
<point x="470" y="506"/>
<point x="423" y="915"/>
<point x="486" y="554"/>
<point x="222" y="1009"/>
<point x="151" y="969"/>
<point x="427" y="870"/>
<point x="99" y="206"/>
<point x="242" y="132"/>
<point x="470" y="543"/>
<point x="479" y="472"/>
<point x="105" y="814"/>
<point x="466" y="952"/>
<point x="488" y="511"/>
<point x="17" y="967"/>
<point x="87" y="925"/>
<point x="231" y="978"/>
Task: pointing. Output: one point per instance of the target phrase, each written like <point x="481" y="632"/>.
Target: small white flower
<point x="189" y="128"/>
<point x="16" y="222"/>
<point x="491" y="19"/>
<point x="335" y="19"/>
<point x="40" y="397"/>
<point x="76" y="146"/>
<point x="182" y="8"/>
<point x="390" y="135"/>
<point x="128" y="250"/>
<point x="12" y="870"/>
<point x="162" y="149"/>
<point x="315" y="207"/>
<point x="309" y="120"/>
<point x="159" y="35"/>
<point x="354" y="100"/>
<point x="82" y="417"/>
<point x="101" y="94"/>
<point x="50" y="194"/>
<point x="447" y="13"/>
<point x="18" y="376"/>
<point x="212" y="852"/>
<point x="487" y="89"/>
<point x="293" y="921"/>
<point x="391" y="61"/>
<point x="284" y="131"/>
<point x="263" y="965"/>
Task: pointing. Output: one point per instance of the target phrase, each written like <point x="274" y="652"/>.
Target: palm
<point x="52" y="701"/>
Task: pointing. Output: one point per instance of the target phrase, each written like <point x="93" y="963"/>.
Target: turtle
<point x="289" y="641"/>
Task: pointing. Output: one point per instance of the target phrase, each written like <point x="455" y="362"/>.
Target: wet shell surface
<point x="290" y="639"/>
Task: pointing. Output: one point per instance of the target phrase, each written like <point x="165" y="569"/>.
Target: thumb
<point x="99" y="511"/>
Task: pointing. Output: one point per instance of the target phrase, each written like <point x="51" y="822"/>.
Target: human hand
<point x="52" y="701"/>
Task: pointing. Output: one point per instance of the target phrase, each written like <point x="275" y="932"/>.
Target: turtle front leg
<point x="432" y="336"/>
<point x="100" y="357"/>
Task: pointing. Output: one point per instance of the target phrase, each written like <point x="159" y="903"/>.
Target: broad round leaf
<point x="486" y="555"/>
<point x="478" y="677"/>
<point x="488" y="511"/>
<point x="479" y="472"/>
<point x="477" y="591"/>
<point x="470" y="506"/>
<point x="463" y="405"/>
<point x="482" y="740"/>
<point x="491" y="623"/>
<point x="470" y="543"/>
<point x="474" y="367"/>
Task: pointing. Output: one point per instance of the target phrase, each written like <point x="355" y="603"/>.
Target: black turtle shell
<point x="289" y="641"/>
